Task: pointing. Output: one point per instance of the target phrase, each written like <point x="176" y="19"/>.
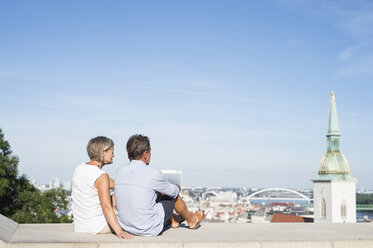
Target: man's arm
<point x="161" y="185"/>
<point x="111" y="186"/>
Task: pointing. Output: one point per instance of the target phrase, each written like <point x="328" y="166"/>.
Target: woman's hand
<point x="124" y="235"/>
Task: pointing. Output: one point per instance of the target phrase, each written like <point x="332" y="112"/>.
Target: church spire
<point x="333" y="134"/>
<point x="334" y="189"/>
<point x="333" y="164"/>
<point x="333" y="127"/>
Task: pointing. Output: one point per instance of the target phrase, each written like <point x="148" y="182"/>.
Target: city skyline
<point x="231" y="94"/>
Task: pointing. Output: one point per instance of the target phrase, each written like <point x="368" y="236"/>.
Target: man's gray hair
<point x="97" y="145"/>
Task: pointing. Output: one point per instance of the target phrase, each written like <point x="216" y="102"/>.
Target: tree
<point x="20" y="200"/>
<point x="364" y="198"/>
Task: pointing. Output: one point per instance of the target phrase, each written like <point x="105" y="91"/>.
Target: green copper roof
<point x="333" y="164"/>
<point x="335" y="177"/>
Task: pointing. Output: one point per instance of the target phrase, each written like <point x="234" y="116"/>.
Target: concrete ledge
<point x="272" y="235"/>
<point x="7" y="228"/>
<point x="267" y="244"/>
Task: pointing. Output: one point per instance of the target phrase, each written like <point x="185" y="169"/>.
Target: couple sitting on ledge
<point x="143" y="202"/>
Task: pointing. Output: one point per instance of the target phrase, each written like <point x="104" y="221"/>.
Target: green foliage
<point x="364" y="198"/>
<point x="40" y="207"/>
<point x="20" y="200"/>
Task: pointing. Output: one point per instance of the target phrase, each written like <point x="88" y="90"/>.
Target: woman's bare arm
<point x="102" y="184"/>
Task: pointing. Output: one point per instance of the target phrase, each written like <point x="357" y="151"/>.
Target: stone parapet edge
<point x="7" y="228"/>
<point x="254" y="244"/>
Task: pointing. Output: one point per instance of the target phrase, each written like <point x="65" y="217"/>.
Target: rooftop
<point x="208" y="235"/>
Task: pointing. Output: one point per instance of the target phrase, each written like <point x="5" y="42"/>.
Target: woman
<point x="92" y="208"/>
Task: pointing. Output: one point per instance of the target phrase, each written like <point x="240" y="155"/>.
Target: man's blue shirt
<point x="136" y="187"/>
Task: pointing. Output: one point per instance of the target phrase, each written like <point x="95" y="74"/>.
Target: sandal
<point x="200" y="217"/>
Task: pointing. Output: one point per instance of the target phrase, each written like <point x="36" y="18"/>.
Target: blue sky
<point x="233" y="93"/>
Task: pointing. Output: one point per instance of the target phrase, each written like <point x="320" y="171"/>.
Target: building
<point x="173" y="176"/>
<point x="41" y="187"/>
<point x="33" y="182"/>
<point x="55" y="183"/>
<point x="334" y="188"/>
<point x="67" y="185"/>
<point x="260" y="216"/>
<point x="286" y="218"/>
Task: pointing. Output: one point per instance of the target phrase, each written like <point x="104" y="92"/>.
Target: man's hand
<point x="159" y="196"/>
<point x="124" y="235"/>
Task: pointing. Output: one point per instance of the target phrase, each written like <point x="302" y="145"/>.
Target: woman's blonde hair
<point x="97" y="145"/>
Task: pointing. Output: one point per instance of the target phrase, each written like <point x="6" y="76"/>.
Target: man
<point x="137" y="187"/>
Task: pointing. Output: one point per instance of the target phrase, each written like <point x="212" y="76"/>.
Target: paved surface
<point x="208" y="235"/>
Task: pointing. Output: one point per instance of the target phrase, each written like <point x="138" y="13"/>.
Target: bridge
<point x="282" y="194"/>
<point x="364" y="207"/>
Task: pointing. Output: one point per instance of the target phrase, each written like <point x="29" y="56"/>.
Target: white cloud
<point x="206" y="84"/>
<point x="31" y="76"/>
<point x="347" y="54"/>
<point x="352" y="18"/>
<point x="357" y="22"/>
<point x="360" y="68"/>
